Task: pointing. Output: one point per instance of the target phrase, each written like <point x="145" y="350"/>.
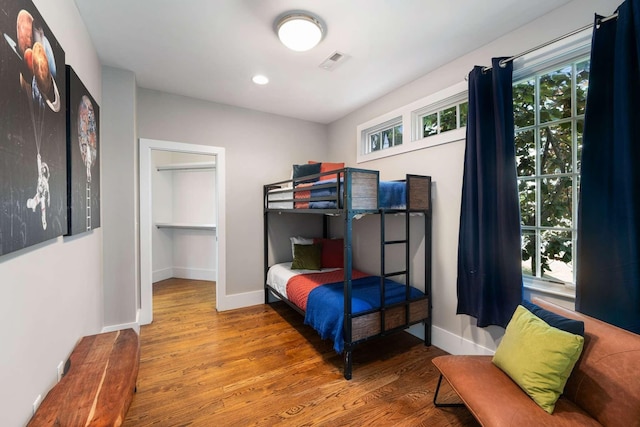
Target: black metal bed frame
<point x="352" y="200"/>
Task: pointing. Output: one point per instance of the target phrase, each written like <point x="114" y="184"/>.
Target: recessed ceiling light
<point x="299" y="31"/>
<point x="259" y="79"/>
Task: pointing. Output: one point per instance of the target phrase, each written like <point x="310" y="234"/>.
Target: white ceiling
<point x="210" y="49"/>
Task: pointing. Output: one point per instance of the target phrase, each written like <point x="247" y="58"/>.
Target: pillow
<point x="328" y="167"/>
<point x="307" y="257"/>
<point x="557" y="321"/>
<point x="332" y="252"/>
<point x="299" y="241"/>
<point x="538" y="357"/>
<point x="304" y="170"/>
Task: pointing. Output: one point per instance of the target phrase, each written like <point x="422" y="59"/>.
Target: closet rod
<point x="557" y="39"/>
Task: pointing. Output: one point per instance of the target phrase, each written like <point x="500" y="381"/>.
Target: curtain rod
<point x="557" y="39"/>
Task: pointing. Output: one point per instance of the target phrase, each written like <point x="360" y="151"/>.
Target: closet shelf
<point x="210" y="227"/>
<point x="187" y="166"/>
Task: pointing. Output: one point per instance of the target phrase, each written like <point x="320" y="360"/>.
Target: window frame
<point x="379" y="129"/>
<point x="555" y="55"/>
<point x="411" y="139"/>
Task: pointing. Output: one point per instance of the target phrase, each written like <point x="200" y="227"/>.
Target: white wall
<point x="455" y="333"/>
<point x="185" y="197"/>
<point x="260" y="148"/>
<point x="51" y="292"/>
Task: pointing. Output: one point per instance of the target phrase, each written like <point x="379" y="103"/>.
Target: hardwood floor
<point x="261" y="366"/>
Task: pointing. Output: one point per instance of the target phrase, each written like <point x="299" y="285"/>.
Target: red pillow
<point x="332" y="252"/>
<point x="328" y="167"/>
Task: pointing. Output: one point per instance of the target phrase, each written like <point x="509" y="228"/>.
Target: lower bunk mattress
<point x="320" y="294"/>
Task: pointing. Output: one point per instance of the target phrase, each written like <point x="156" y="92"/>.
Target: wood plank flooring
<point x="261" y="366"/>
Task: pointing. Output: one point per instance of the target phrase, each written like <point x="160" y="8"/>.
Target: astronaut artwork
<point x="83" y="124"/>
<point x="33" y="158"/>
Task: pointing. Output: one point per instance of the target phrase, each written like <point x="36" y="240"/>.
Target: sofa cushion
<point x="570" y="325"/>
<point x="537" y="356"/>
<point x="495" y="400"/>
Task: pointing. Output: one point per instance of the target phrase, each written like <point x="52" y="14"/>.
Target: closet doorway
<point x="182" y="199"/>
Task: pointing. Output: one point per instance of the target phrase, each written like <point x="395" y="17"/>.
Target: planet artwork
<point x="33" y="158"/>
<point x="84" y="151"/>
<point x="87" y="136"/>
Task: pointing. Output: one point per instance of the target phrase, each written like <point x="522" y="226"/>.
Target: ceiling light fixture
<point x="259" y="79"/>
<point x="299" y="31"/>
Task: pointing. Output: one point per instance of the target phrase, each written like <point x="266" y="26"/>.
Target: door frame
<point x="146" y="218"/>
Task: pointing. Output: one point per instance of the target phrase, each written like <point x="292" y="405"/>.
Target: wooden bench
<point x="99" y="385"/>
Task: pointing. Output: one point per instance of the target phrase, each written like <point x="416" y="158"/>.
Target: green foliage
<point x="549" y="168"/>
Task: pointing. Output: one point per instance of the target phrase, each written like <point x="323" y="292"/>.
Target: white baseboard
<point x="455" y="344"/>
<point x="194" y="273"/>
<point x="162" y="274"/>
<point x="112" y="328"/>
<point x="231" y="302"/>
<point x="184" y="273"/>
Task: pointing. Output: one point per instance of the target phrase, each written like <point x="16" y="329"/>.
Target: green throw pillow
<point x="538" y="357"/>
<point x="307" y="257"/>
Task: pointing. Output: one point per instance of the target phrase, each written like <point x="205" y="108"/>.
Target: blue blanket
<point x="325" y="305"/>
<point x="391" y="195"/>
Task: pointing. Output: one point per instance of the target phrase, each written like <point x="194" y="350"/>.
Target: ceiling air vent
<point x="333" y="60"/>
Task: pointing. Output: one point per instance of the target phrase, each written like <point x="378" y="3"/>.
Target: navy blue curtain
<point x="608" y="279"/>
<point x="489" y="253"/>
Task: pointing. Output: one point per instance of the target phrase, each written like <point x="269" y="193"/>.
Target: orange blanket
<point x="306" y="194"/>
<point x="299" y="287"/>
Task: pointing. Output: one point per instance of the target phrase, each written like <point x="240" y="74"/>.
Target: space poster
<point x="33" y="158"/>
<point x="83" y="130"/>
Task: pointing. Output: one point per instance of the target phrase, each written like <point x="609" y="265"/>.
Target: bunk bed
<point x="340" y="302"/>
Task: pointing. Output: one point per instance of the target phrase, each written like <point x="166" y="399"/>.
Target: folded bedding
<point x="391" y="194"/>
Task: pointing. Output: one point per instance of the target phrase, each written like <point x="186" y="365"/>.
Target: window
<point x="443" y="120"/>
<point x="437" y="119"/>
<point x="385" y="136"/>
<point x="549" y="111"/>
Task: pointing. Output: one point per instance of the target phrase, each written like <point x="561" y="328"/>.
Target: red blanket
<point x="298" y="287"/>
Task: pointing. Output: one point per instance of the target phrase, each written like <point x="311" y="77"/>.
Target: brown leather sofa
<point x="603" y="389"/>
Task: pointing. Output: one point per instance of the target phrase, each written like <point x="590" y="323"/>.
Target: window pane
<point x="524" y="104"/>
<point x="557" y="256"/>
<point x="527" y="190"/>
<point x="579" y="132"/>
<point x="374" y="142"/>
<point x="555" y="149"/>
<point x="464" y="113"/>
<point x="525" y="153"/>
<point x="397" y="135"/>
<point x="387" y="138"/>
<point x="555" y="95"/>
<point x="430" y="125"/>
<point x="582" y="84"/>
<point x="448" y="119"/>
<point x="528" y="252"/>
<point x="557" y="202"/>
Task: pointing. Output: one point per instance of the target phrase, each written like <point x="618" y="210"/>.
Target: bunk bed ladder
<point x="384" y="243"/>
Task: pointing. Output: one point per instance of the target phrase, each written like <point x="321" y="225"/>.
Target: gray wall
<point x="120" y="198"/>
<point x="455" y="333"/>
<point x="259" y="148"/>
<point x="52" y="292"/>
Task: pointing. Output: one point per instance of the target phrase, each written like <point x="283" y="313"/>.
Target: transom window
<point x="443" y="120"/>
<point x="549" y="109"/>
<point x="436" y="119"/>
<point x="384" y="136"/>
